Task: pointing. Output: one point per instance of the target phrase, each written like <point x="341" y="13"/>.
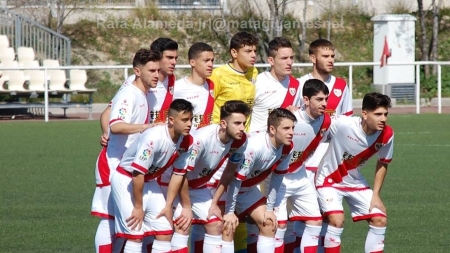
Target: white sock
<point x="279" y="237"/>
<point x="212" y="243"/>
<point x="197" y="236"/>
<point x="104" y="236"/>
<point x="310" y="238"/>
<point x="161" y="246"/>
<point x="179" y="241"/>
<point x="265" y="244"/>
<point x="323" y="233"/>
<point x="147" y="244"/>
<point x="252" y="233"/>
<point x="132" y="247"/>
<point x="299" y="230"/>
<point x="333" y="237"/>
<point x="375" y="239"/>
<point x="227" y="247"/>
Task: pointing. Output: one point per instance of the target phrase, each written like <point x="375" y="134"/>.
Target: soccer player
<point x="129" y="112"/>
<point x="235" y="80"/>
<point x="275" y="88"/>
<point x="265" y="152"/>
<point x="159" y="97"/>
<point x="197" y="88"/>
<point x="137" y="196"/>
<point x="212" y="145"/>
<point x="298" y="196"/>
<point x="353" y="141"/>
<point x="321" y="54"/>
<point x="232" y="81"/>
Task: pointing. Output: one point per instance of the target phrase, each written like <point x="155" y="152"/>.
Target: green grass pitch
<point x="47" y="183"/>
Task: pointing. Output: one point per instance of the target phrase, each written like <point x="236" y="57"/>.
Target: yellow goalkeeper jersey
<point x="230" y="84"/>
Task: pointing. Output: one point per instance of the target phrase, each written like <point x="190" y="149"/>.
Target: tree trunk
<point x="423" y="37"/>
<point x="434" y="40"/>
<point x="330" y="17"/>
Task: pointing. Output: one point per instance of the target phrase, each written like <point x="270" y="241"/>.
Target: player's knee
<point x="214" y="228"/>
<point x="282" y="225"/>
<point x="378" y="221"/>
<point x="135" y="240"/>
<point x="166" y="238"/>
<point x="314" y="222"/>
<point x="336" y="220"/>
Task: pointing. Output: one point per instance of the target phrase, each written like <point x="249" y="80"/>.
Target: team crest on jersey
<point x="292" y="91"/>
<point x="337" y="92"/>
<point x="378" y="146"/>
<point x="322" y="131"/>
<point x="171" y="90"/>
<point x="211" y="92"/>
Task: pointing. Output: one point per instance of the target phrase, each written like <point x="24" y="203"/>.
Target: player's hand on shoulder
<point x="104" y="139"/>
<point x="230" y="223"/>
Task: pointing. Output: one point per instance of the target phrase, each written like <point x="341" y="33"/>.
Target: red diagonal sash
<point x="207" y="116"/>
<point x="199" y="182"/>
<point x="164" y="111"/>
<point x="333" y="99"/>
<point x="357" y="160"/>
<point x="312" y="145"/>
<point x="263" y="175"/>
<point x="291" y="92"/>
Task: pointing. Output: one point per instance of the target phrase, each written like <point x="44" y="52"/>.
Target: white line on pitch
<point x="423" y="145"/>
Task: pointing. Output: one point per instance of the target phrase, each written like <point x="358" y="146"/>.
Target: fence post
<point x="417" y="88"/>
<point x="18" y="34"/>
<point x="439" y="89"/>
<point x="350" y="80"/>
<point x="45" y="96"/>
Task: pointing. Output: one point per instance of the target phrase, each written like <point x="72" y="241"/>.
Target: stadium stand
<point x="18" y="85"/>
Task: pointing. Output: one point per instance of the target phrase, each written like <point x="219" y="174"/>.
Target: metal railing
<point x="168" y="3"/>
<point x="24" y="32"/>
<point x="350" y="66"/>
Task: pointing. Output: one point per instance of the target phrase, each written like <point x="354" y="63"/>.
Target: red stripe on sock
<point x="107" y="248"/>
<point x="333" y="250"/>
<point x="252" y="247"/>
<point x="376" y="252"/>
<point x="183" y="250"/>
<point x="289" y="247"/>
<point x="198" y="246"/>
<point x="280" y="249"/>
<point x="310" y="249"/>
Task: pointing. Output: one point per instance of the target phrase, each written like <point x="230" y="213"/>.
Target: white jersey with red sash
<point x="308" y="133"/>
<point x="201" y="97"/>
<point x="206" y="156"/>
<point x="271" y="94"/>
<point x="349" y="150"/>
<point x="159" y="98"/>
<point x="339" y="100"/>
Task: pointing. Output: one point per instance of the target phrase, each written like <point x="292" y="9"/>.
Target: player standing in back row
<point x="321" y="54"/>
<point x="129" y="115"/>
<point x="354" y="140"/>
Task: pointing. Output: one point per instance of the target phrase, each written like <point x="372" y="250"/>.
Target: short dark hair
<point x="312" y="87"/>
<point x="144" y="55"/>
<point x="374" y="100"/>
<point x="180" y="105"/>
<point x="234" y="106"/>
<point x="163" y="44"/>
<point x="276" y="115"/>
<point x="197" y="48"/>
<point x="319" y="43"/>
<point x="276" y="44"/>
<point x="242" y="39"/>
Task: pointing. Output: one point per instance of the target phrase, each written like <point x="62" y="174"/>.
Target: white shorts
<point x="298" y="199"/>
<point x="102" y="202"/>
<point x="313" y="162"/>
<point x="248" y="201"/>
<point x="330" y="200"/>
<point x="153" y="202"/>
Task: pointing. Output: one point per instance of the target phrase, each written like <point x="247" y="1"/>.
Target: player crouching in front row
<point x="137" y="196"/>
